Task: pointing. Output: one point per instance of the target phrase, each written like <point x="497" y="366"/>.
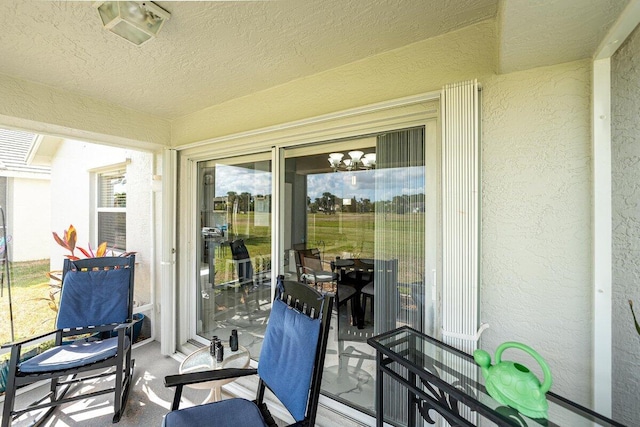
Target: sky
<point x="391" y="182"/>
<point x="346" y="184"/>
<point x="241" y="180"/>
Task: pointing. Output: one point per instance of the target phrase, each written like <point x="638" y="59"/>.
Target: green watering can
<point x="513" y="384"/>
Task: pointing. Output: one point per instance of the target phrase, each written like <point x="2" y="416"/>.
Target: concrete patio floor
<point x="148" y="401"/>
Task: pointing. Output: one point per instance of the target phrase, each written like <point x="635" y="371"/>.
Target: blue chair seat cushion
<point x="72" y="356"/>
<point x="226" y="413"/>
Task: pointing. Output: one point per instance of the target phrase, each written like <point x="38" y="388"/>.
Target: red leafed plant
<point x="68" y="241"/>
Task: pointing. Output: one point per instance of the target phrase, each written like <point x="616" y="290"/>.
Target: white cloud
<point x="391" y="182"/>
<point x="241" y="180"/>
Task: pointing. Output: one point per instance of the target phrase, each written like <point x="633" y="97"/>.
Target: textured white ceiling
<point x="211" y="52"/>
<point x="546" y="32"/>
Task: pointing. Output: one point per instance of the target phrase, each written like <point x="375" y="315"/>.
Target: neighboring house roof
<point x="14" y="149"/>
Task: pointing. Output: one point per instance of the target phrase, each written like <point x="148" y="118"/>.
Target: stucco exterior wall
<point x="29" y="219"/>
<point x="536" y="219"/>
<point x="625" y="160"/>
<point x="73" y="200"/>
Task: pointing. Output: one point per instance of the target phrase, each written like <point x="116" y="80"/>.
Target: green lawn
<point x="341" y="234"/>
<point x="400" y="236"/>
<point x="336" y="235"/>
<point x="29" y="289"/>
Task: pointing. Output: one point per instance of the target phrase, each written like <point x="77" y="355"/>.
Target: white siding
<point x="73" y="200"/>
<point x="29" y="219"/>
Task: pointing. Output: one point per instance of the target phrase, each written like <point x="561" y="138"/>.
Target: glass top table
<point x="440" y="378"/>
<point x="201" y="360"/>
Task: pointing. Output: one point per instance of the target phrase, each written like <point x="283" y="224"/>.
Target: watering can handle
<point x="546" y="384"/>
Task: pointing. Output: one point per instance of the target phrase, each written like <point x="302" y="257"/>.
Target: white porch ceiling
<point x="536" y="33"/>
<point x="214" y="51"/>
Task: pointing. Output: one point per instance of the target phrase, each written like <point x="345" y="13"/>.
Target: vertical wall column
<point x="602" y="237"/>
<point x="460" y="214"/>
<point x="167" y="309"/>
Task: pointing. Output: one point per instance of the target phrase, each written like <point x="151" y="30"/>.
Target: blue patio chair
<point x="291" y="365"/>
<point x="96" y="299"/>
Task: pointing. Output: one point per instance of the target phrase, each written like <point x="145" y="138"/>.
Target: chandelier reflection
<point x="357" y="160"/>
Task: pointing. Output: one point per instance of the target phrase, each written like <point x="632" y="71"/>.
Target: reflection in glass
<point x="359" y="206"/>
<point x="234" y="250"/>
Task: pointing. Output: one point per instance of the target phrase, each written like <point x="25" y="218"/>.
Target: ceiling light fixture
<point x="357" y="159"/>
<point x="135" y="21"/>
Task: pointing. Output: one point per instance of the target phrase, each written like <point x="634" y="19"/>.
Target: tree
<point x="231" y="198"/>
<point x="366" y="205"/>
<point x="326" y="203"/>
<point x="245" y="202"/>
<point x="312" y="206"/>
<point x="400" y="204"/>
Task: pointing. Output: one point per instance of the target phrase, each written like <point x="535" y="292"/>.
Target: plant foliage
<point x="69" y="239"/>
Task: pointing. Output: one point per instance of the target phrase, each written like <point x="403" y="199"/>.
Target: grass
<point x="29" y="288"/>
<point x="341" y="234"/>
<point x="355" y="235"/>
<point x="335" y="235"/>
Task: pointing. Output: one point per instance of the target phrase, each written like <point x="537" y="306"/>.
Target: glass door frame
<point x="431" y="235"/>
<point x="188" y="233"/>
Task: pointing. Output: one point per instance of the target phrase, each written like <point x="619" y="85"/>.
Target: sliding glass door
<point x="362" y="207"/>
<point x="234" y="247"/>
<point x="351" y="197"/>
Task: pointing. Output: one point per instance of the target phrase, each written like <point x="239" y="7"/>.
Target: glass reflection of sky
<point x="242" y="180"/>
<point x="343" y="185"/>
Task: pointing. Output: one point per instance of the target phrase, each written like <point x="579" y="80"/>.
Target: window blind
<point x="111" y="207"/>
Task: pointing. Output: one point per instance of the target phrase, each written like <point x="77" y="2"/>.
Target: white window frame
<point x="96" y="173"/>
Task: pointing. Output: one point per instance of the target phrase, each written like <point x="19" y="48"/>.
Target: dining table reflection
<point x="358" y="273"/>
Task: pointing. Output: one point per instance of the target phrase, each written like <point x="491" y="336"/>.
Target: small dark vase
<point x="212" y="346"/>
<point x="219" y="351"/>
<point x="233" y="340"/>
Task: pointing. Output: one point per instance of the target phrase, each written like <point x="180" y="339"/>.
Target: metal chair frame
<point x="310" y="274"/>
<point x="62" y="380"/>
<point x="305" y="299"/>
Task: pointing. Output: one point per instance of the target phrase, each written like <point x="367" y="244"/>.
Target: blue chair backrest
<point x="94" y="297"/>
<point x="288" y="355"/>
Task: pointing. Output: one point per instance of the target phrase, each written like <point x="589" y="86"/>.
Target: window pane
<point x="112" y="190"/>
<point x="112" y="228"/>
<point x="360" y="205"/>
<point x="234" y="250"/>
